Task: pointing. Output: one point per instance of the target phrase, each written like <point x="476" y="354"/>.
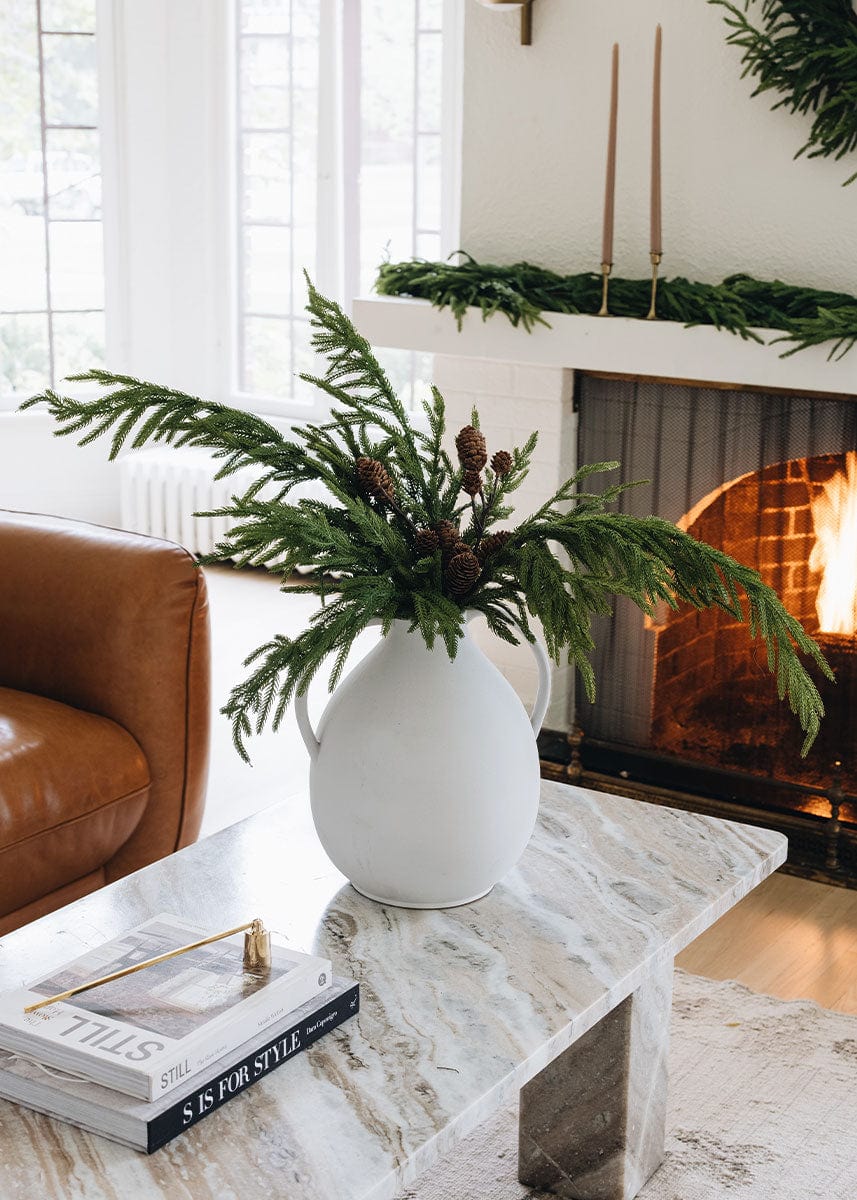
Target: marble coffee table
<point x="556" y="986"/>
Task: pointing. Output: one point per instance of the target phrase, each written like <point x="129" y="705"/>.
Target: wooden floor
<point x="790" y="938"/>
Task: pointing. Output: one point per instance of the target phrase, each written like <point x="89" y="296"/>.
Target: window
<point x="241" y="142"/>
<point x="340" y="110"/>
<point x="279" y="46"/>
<point x="52" y="276"/>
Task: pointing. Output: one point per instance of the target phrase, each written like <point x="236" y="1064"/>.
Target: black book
<point x="148" y="1125"/>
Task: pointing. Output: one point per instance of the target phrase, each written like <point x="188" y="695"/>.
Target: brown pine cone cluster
<point x="492" y="544"/>
<point x="462" y="564"/>
<point x="447" y="534"/>
<point x="461" y="567"/>
<point x="462" y="572"/>
<point x="473" y="456"/>
<point x="374" y="479"/>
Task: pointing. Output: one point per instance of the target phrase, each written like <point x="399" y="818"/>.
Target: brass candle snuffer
<point x="257" y="959"/>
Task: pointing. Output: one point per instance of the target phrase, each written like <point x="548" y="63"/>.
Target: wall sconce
<point x="526" y="7"/>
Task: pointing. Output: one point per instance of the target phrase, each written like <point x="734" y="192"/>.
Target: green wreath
<point x="806" y="50"/>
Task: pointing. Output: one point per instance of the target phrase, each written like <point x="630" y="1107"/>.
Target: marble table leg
<point x="592" y="1122"/>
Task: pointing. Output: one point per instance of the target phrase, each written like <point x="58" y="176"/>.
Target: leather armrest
<point x="116" y="624"/>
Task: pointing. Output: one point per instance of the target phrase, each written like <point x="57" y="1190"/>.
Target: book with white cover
<point x="148" y="1032"/>
<point x="147" y="1126"/>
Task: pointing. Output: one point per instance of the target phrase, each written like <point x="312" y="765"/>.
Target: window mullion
<point x="329" y="206"/>
<point x="352" y="148"/>
<point x="43" y="131"/>
<point x="452" y="108"/>
<point x="415" y="176"/>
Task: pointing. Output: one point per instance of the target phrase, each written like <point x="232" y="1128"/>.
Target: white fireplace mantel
<point x="618" y="345"/>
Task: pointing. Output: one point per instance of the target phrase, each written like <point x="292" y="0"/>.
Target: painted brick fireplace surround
<point x="762" y="436"/>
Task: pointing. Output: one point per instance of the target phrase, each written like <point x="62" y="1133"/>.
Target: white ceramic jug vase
<point x="424" y="779"/>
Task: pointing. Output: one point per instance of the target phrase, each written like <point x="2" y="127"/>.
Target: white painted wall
<point x="534" y="144"/>
<point x="46" y="474"/>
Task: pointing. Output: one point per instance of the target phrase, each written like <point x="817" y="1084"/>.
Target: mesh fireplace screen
<point x="754" y="474"/>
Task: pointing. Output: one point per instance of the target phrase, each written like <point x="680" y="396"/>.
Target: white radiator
<point x="161" y="489"/>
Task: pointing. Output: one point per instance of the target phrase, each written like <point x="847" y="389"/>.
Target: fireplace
<point x="686" y="704"/>
<point x="709" y="693"/>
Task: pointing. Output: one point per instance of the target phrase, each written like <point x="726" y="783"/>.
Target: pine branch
<point x="284" y="666"/>
<point x="805" y="52"/>
<point x="138" y="412"/>
<point x="355" y="379"/>
<point x="651" y="560"/>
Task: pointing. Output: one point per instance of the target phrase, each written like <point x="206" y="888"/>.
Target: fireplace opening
<point x="685" y="703"/>
<point x="712" y="698"/>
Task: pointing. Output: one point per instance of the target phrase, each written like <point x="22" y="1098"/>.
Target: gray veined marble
<point x="556" y="983"/>
<point x="592" y="1122"/>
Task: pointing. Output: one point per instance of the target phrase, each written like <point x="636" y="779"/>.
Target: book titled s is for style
<point x="147" y="1126"/>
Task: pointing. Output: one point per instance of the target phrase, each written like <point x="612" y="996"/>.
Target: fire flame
<point x="834" y="515"/>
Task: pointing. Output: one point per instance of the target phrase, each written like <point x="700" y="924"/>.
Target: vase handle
<point x="543" y="695"/>
<point x="308" y="734"/>
<point x="305" y="726"/>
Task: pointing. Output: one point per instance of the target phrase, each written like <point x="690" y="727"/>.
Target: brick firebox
<point x="712" y="700"/>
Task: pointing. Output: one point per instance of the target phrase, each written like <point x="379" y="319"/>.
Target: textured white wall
<point x="46" y="474"/>
<point x="535" y="129"/>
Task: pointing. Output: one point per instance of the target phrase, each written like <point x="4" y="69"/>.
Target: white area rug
<point x="763" y="1106"/>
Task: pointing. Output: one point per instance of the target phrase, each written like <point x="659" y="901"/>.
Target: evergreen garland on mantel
<point x="523" y="291"/>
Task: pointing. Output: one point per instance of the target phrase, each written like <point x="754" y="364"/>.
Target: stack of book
<point x="142" y="1058"/>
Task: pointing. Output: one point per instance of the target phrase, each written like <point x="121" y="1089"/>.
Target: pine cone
<point x="501" y="463"/>
<point x="493" y="543"/>
<point x="462" y="571"/>
<point x="450" y="551"/>
<point x="472" y="452"/>
<point x="447" y="534"/>
<point x="471" y="483"/>
<point x="374" y="479"/>
<point x="426" y="542"/>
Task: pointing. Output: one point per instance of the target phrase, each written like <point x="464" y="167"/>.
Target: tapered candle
<point x="610" y="183"/>
<point x="656" y="241"/>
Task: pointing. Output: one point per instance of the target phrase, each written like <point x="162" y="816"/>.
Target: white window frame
<point x="167" y="79"/>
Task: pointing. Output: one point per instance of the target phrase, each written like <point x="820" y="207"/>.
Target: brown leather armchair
<point x="104" y="708"/>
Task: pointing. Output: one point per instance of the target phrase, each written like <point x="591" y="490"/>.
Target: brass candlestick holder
<point x="606" y="268"/>
<point x="656" y="262"/>
<point x="257" y="960"/>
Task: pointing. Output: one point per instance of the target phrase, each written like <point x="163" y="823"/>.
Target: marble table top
<point x="459" y="1008"/>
